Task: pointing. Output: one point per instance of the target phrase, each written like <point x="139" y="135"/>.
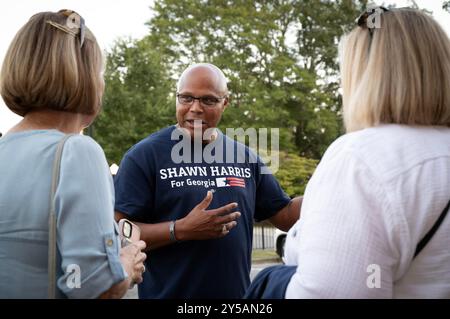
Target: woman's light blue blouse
<point x="87" y="237"/>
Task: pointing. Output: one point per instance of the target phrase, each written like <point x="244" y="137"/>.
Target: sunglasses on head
<point x="371" y="13"/>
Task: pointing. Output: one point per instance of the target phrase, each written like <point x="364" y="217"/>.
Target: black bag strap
<point x="433" y="229"/>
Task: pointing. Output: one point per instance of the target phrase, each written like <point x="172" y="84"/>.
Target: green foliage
<point x="278" y="55"/>
<point x="294" y="173"/>
<point x="137" y="98"/>
<point x="280" y="58"/>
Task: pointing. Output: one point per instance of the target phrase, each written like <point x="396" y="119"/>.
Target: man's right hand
<point x="201" y="223"/>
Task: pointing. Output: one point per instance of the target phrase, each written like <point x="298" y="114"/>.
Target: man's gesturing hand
<point x="201" y="223"/>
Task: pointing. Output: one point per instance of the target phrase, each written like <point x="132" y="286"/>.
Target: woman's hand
<point x="133" y="257"/>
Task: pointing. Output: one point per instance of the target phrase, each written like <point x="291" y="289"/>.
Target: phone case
<point x="129" y="232"/>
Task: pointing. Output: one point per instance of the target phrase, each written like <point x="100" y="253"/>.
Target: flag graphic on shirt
<point x="230" y="181"/>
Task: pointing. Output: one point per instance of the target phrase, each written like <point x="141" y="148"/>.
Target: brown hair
<point x="46" y="68"/>
<point x="400" y="75"/>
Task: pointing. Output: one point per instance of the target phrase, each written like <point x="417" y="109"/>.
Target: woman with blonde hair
<point x="373" y="221"/>
<point x="385" y="185"/>
<point x="52" y="76"/>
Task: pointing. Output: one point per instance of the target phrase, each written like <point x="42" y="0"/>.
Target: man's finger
<point x="231" y="225"/>
<point x="228" y="218"/>
<point x="206" y="201"/>
<point x="224" y="210"/>
<point x="225" y="229"/>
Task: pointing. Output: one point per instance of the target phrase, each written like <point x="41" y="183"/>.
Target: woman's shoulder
<point x="363" y="140"/>
<point x="392" y="149"/>
<point x="37" y="137"/>
<point x="84" y="152"/>
<point x="84" y="143"/>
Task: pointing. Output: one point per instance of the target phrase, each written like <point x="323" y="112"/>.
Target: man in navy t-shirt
<point x="196" y="202"/>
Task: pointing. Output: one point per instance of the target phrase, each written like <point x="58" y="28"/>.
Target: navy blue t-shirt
<point x="152" y="188"/>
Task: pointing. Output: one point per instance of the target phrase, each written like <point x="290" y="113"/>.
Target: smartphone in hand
<point x="129" y="232"/>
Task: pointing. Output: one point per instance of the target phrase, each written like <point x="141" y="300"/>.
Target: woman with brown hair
<point x="52" y="76"/>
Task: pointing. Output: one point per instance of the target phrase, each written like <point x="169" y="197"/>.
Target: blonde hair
<point x="400" y="75"/>
<point x="45" y="68"/>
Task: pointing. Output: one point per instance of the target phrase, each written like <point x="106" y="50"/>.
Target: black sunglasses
<point x="362" y="19"/>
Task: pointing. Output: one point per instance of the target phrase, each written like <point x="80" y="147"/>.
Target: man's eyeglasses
<point x="74" y="25"/>
<point x="208" y="101"/>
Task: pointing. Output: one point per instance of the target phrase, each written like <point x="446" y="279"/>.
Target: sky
<point x="108" y="20"/>
<point x="113" y="19"/>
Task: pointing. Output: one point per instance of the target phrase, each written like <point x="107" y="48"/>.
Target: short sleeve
<point x="87" y="236"/>
<point x="134" y="195"/>
<point x="270" y="197"/>
<point x="339" y="243"/>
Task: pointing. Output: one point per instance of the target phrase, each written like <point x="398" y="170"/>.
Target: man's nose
<point x="196" y="107"/>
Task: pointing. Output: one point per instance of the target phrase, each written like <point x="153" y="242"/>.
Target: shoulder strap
<point x="433" y="229"/>
<point x="52" y="219"/>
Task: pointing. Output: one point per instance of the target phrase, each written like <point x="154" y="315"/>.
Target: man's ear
<point x="225" y="102"/>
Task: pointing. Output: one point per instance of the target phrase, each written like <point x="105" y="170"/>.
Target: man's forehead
<point x="202" y="72"/>
<point x="202" y="76"/>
